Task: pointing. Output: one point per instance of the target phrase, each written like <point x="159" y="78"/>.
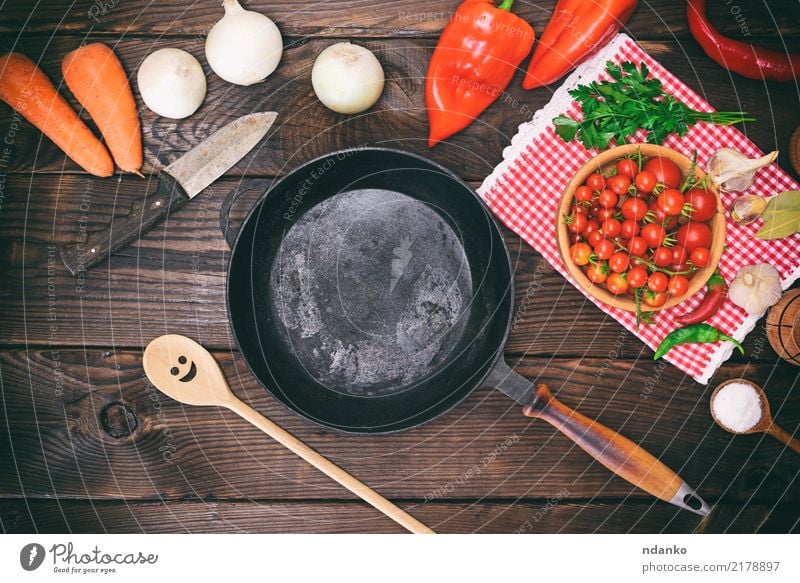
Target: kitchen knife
<point x="178" y="183"/>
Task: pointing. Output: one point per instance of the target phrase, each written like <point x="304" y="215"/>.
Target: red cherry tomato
<point x="596" y="182"/>
<point x="700" y="256"/>
<point x="604" y="249"/>
<point x="594" y="237"/>
<point x="611" y="227"/>
<point x="629" y="229"/>
<point x="619" y="184"/>
<point x="671" y="202"/>
<point x="704" y="204"/>
<point x="665" y="171"/>
<point x="654" y="234"/>
<point x="605" y="214"/>
<point x="598" y="272"/>
<point x="578" y="224"/>
<point x="693" y="235"/>
<point x="627" y="167"/>
<point x="655" y="299"/>
<point x="637" y="277"/>
<point x="678" y="285"/>
<point x="634" y="208"/>
<point x="679" y="255"/>
<point x="591" y="226"/>
<point x="637" y="246"/>
<point x="617" y="284"/>
<point x="661" y="217"/>
<point x="583" y="194"/>
<point x="662" y="256"/>
<point x="608" y="198"/>
<point x="618" y="262"/>
<point x="657" y="282"/>
<point x="645" y="182"/>
<point x="580" y="253"/>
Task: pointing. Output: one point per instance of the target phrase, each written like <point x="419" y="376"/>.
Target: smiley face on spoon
<point x="175" y="371"/>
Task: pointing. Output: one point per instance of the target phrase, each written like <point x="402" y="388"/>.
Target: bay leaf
<point x="785" y="201"/>
<point x="782" y="216"/>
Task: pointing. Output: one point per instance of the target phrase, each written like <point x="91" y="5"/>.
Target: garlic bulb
<point x="244" y="47"/>
<point x="747" y="208"/>
<point x="172" y="83"/>
<point x="755" y="288"/>
<point x="732" y="171"/>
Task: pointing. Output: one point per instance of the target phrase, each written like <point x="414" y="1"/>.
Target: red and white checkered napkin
<point x="525" y="189"/>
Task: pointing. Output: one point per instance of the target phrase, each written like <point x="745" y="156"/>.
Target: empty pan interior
<point x="369" y="290"/>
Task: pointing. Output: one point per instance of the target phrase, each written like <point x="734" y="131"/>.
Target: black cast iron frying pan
<point x="370" y="290"/>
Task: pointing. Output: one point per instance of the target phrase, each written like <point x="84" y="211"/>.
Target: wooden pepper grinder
<point x="794" y="150"/>
<point x="783" y="327"/>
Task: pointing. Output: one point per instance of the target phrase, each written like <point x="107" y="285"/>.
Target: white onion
<point x="172" y="83"/>
<point x="244" y="47"/>
<point x="347" y="78"/>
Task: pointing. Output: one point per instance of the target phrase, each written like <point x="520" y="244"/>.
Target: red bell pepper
<point x="748" y="60"/>
<point x="577" y="29"/>
<point x="473" y="63"/>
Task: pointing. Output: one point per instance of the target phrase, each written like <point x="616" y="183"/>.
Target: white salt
<point x="737" y="406"/>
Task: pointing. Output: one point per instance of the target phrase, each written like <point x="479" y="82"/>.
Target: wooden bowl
<point x="604" y="163"/>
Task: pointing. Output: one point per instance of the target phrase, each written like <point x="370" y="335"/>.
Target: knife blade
<point x="178" y="183"/>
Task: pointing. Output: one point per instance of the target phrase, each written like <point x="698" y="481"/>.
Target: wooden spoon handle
<point x="619" y="454"/>
<point x="328" y="468"/>
<point x="781" y="434"/>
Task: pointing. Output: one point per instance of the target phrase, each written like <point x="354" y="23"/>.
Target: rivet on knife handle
<point x="122" y="231"/>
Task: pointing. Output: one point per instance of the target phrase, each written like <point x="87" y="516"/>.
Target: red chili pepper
<point x="577" y="29"/>
<point x="476" y="57"/>
<point x="737" y="56"/>
<point x="715" y="296"/>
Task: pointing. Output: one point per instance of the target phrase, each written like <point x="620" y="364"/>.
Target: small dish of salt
<point x="740" y="406"/>
<point x="736" y="405"/>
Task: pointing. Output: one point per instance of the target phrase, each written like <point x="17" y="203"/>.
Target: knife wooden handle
<point x="143" y="215"/>
<point x="619" y="454"/>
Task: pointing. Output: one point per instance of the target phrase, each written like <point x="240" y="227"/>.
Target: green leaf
<point x="785" y="201"/>
<point x="782" y="216"/>
<point x="566" y="128"/>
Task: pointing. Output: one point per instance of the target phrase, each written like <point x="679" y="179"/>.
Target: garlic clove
<point x="732" y="171"/>
<point x="747" y="208"/>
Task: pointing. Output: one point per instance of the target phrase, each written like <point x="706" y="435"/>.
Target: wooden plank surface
<point x="363" y="17"/>
<point x="87" y="424"/>
<point x="173" y="279"/>
<point x="88" y="446"/>
<point x="519" y="517"/>
<point x="306" y="129"/>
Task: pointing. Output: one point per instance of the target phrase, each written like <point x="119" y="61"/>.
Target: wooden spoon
<point x="765" y="424"/>
<point x="185" y="371"/>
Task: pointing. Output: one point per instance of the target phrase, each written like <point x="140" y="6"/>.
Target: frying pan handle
<point x="231" y="231"/>
<point x="619" y="454"/>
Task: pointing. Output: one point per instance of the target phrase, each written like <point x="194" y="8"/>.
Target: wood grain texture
<point x="359" y="17"/>
<point x="173" y="279"/>
<point x="87" y="424"/>
<point x="523" y="517"/>
<point x="306" y="129"/>
<point x="88" y="446"/>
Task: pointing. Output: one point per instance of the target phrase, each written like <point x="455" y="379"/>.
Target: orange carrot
<point x="28" y="90"/>
<point x="97" y="80"/>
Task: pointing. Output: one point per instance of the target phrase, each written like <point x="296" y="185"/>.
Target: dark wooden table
<point x="87" y="446"/>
